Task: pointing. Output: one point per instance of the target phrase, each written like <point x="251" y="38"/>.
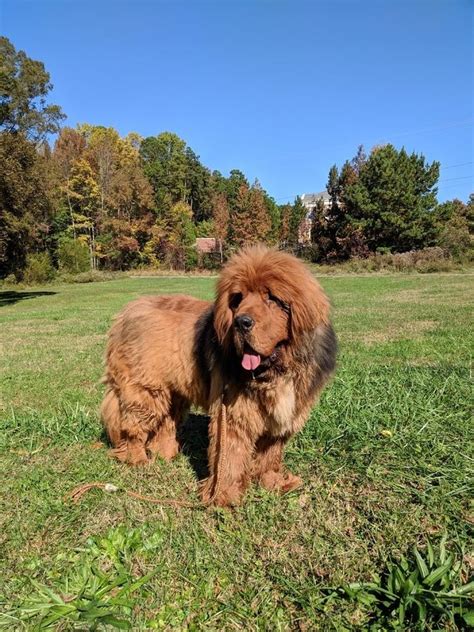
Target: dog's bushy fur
<point x="168" y="352"/>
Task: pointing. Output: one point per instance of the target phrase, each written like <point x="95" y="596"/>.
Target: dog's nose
<point x="244" y="322"/>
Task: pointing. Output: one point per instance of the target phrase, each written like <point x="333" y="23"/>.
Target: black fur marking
<point x="326" y="350"/>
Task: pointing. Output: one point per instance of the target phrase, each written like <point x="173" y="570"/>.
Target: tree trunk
<point x="70" y="210"/>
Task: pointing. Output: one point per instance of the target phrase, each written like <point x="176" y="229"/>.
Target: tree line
<point x="93" y="199"/>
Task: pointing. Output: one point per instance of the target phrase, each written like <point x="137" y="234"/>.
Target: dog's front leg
<point x="230" y="455"/>
<point x="267" y="465"/>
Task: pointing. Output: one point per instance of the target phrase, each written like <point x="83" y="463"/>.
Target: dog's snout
<point x="244" y="322"/>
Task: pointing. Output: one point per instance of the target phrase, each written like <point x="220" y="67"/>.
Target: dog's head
<point x="266" y="299"/>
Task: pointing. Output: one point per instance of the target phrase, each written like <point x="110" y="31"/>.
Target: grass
<point x="386" y="457"/>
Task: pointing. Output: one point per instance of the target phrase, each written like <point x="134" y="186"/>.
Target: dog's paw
<point x="132" y="456"/>
<point x="282" y="482"/>
<point x="166" y="450"/>
<point x="229" y="496"/>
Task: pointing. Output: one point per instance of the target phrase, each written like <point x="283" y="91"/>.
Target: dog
<point x="264" y="350"/>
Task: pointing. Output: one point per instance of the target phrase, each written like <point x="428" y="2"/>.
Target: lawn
<point x="386" y="458"/>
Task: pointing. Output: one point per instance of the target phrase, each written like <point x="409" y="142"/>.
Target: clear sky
<point x="281" y="89"/>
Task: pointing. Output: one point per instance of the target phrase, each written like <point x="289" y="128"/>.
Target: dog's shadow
<point x="193" y="439"/>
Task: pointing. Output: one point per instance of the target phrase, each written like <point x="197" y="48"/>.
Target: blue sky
<point x="279" y="89"/>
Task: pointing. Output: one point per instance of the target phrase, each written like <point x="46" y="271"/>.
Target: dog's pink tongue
<point x="250" y="361"/>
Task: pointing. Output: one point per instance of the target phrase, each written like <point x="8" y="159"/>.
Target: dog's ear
<point x="309" y="308"/>
<point x="222" y="314"/>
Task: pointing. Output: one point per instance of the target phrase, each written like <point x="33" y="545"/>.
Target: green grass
<point x="387" y="460"/>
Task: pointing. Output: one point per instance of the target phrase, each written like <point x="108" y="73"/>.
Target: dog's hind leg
<point x="111" y="417"/>
<point x="162" y="441"/>
<point x="129" y="417"/>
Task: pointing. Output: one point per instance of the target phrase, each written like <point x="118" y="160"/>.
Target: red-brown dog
<point x="266" y="340"/>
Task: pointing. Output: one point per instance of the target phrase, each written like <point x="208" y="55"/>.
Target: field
<point x="386" y="459"/>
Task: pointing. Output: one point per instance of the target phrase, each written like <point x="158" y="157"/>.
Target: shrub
<point x="209" y="261"/>
<point x="39" y="269"/>
<point x="73" y="256"/>
<point x="457" y="239"/>
<point x="9" y="280"/>
<point x="434" y="259"/>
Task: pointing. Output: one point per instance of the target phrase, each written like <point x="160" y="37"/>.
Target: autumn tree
<point x="130" y="193"/>
<point x="103" y="155"/>
<point x="220" y="215"/>
<point x="284" y="232"/>
<point x="453" y="223"/>
<point x="25" y="202"/>
<point x="68" y="149"/>
<point x="250" y="221"/>
<point x="85" y="200"/>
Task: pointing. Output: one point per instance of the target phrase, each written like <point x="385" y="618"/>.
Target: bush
<point x="39" y="269"/>
<point x="209" y="261"/>
<point x="456" y="238"/>
<point x="434" y="259"/>
<point x="73" y="256"/>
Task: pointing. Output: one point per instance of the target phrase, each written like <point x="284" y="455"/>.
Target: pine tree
<point x="392" y="199"/>
<point x="297" y="216"/>
<point x="181" y="236"/>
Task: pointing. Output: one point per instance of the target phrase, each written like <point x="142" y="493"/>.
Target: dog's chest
<point x="280" y="404"/>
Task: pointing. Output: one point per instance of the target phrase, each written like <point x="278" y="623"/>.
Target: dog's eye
<point x="235" y="300"/>
<point x="278" y="301"/>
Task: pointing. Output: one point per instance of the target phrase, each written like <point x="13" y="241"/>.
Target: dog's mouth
<point x="251" y="359"/>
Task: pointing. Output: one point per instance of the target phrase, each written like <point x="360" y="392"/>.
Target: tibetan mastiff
<point x="263" y="350"/>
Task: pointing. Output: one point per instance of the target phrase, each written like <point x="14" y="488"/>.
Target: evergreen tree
<point x="198" y="187"/>
<point x="273" y="212"/>
<point x="165" y="165"/>
<point x="297" y="215"/>
<point x="392" y="199"/>
<point x="181" y="237"/>
<point x="235" y="181"/>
